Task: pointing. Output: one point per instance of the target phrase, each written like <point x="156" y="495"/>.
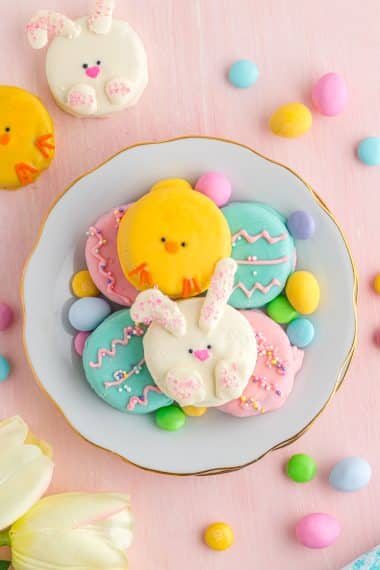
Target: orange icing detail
<point x="196" y="285"/>
<point x="26" y="173"/>
<point x="145" y="276"/>
<point x="137" y="269"/>
<point x="5" y="138"/>
<point x="185" y="288"/>
<point x="44" y="146"/>
<point x="171" y="246"/>
<point x="190" y="285"/>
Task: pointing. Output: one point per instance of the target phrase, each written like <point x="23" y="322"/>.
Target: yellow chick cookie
<point x="26" y="138"/>
<point x="172" y="238"/>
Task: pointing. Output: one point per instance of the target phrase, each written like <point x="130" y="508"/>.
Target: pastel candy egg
<point x="301" y="468"/>
<point x="87" y="313"/>
<point x="5" y="368"/>
<point x="301" y="225"/>
<point x="376" y="284"/>
<point x="329" y="94"/>
<point x="80" y="342"/>
<point x="350" y="474"/>
<point x="317" y="530"/>
<point x="219" y="536"/>
<point x="170" y="418"/>
<point x="302" y="291"/>
<point x="216" y="186"/>
<point x="291" y="120"/>
<point x="83" y="285"/>
<point x="243" y="73"/>
<point x="369" y="151"/>
<point x="300" y="332"/>
<point x="6" y="316"/>
<point x="281" y="311"/>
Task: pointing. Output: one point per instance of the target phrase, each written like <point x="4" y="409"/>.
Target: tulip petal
<point x="76" y="531"/>
<point x="25" y="471"/>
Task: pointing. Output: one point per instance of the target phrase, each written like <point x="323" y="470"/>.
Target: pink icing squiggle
<point x="254" y="238"/>
<point x="127" y="335"/>
<point x="257" y="287"/>
<point x="144" y="400"/>
<point x="127" y="376"/>
<point x="252" y="260"/>
<point x="102" y="266"/>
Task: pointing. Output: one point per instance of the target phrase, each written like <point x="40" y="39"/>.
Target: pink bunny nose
<point x="93" y="72"/>
<point x="202" y="355"/>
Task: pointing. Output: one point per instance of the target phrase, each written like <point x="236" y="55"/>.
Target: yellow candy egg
<point x="83" y="285"/>
<point x="219" y="536"/>
<point x="193" y="411"/>
<point x="291" y="120"/>
<point x="302" y="291"/>
<point x="376" y="284"/>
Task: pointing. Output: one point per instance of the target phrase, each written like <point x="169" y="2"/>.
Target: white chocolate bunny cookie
<point x="96" y="65"/>
<point x="200" y="352"/>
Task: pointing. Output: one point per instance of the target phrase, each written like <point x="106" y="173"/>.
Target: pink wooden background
<point x="190" y="45"/>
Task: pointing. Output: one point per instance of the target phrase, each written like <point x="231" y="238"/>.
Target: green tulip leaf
<point x="4" y="564"/>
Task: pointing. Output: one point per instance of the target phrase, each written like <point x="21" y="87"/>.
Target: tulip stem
<point x="4" y="538"/>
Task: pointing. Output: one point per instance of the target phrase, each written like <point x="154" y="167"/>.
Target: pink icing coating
<point x="103" y="262"/>
<point x="277" y="364"/>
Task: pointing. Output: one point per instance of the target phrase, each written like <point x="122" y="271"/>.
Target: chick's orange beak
<point x="5" y="138"/>
<point x="171" y="246"/>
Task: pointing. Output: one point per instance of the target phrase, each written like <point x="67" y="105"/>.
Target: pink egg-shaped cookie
<point x="277" y="364"/>
<point x="102" y="259"/>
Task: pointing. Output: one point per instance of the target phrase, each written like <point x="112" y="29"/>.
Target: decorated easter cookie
<point x="172" y="238"/>
<point x="115" y="368"/>
<point x="102" y="260"/>
<point x="95" y="65"/>
<point x="200" y="352"/>
<point x="273" y="377"/>
<point x="263" y="250"/>
<point x="26" y="138"/>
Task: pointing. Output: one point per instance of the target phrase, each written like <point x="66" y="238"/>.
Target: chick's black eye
<point x="209" y="346"/>
<point x="85" y="65"/>
<point x="98" y="62"/>
<point x="163" y="239"/>
<point x="190" y="351"/>
<point x="7" y="129"/>
<point x="183" y="244"/>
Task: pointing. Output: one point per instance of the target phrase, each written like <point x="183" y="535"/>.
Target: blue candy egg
<point x="87" y="313"/>
<point x="369" y="151"/>
<point x="350" y="474"/>
<point x="5" y="368"/>
<point x="243" y="73"/>
<point x="301" y="225"/>
<point x="300" y="332"/>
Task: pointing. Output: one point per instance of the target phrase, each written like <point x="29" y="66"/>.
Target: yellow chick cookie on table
<point x="172" y="238"/>
<point x="26" y="138"/>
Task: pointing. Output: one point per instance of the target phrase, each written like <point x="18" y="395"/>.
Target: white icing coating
<point x="123" y="63"/>
<point x="206" y="376"/>
<point x="47" y="23"/>
<point x="82" y="99"/>
<point x="100" y="20"/>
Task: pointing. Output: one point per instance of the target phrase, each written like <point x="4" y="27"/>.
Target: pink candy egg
<point x="6" y="316"/>
<point x="317" y="530"/>
<point x="330" y="94"/>
<point x="80" y="341"/>
<point x="216" y="186"/>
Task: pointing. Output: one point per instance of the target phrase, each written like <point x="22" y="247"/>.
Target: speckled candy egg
<point x="317" y="530"/>
<point x="330" y="94"/>
<point x="350" y="474"/>
<point x="291" y="120"/>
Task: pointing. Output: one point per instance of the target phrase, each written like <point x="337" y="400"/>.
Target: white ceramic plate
<point x="216" y="442"/>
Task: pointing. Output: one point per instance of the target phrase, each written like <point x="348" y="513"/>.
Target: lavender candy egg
<point x="88" y="312"/>
<point x="317" y="530"/>
<point x="301" y="225"/>
<point x="350" y="474"/>
<point x="329" y="94"/>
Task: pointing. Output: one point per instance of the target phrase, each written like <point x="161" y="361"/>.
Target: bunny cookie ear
<point x="152" y="306"/>
<point x="100" y="20"/>
<point x="47" y="24"/>
<point x="219" y="292"/>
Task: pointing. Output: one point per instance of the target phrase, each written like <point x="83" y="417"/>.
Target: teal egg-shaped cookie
<point x="264" y="251"/>
<point x="114" y="365"/>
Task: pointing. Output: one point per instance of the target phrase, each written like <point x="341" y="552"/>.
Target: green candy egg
<point x="301" y="468"/>
<point x="170" y="418"/>
<point x="281" y="311"/>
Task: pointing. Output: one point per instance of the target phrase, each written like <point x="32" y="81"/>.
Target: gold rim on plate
<point x="343" y="369"/>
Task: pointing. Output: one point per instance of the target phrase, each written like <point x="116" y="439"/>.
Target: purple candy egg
<point x="301" y="225"/>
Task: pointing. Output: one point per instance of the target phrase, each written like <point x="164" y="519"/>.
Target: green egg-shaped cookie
<point x="114" y="365"/>
<point x="264" y="251"/>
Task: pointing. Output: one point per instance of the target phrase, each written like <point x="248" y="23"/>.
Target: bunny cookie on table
<point x="95" y="65"/>
<point x="201" y="351"/>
